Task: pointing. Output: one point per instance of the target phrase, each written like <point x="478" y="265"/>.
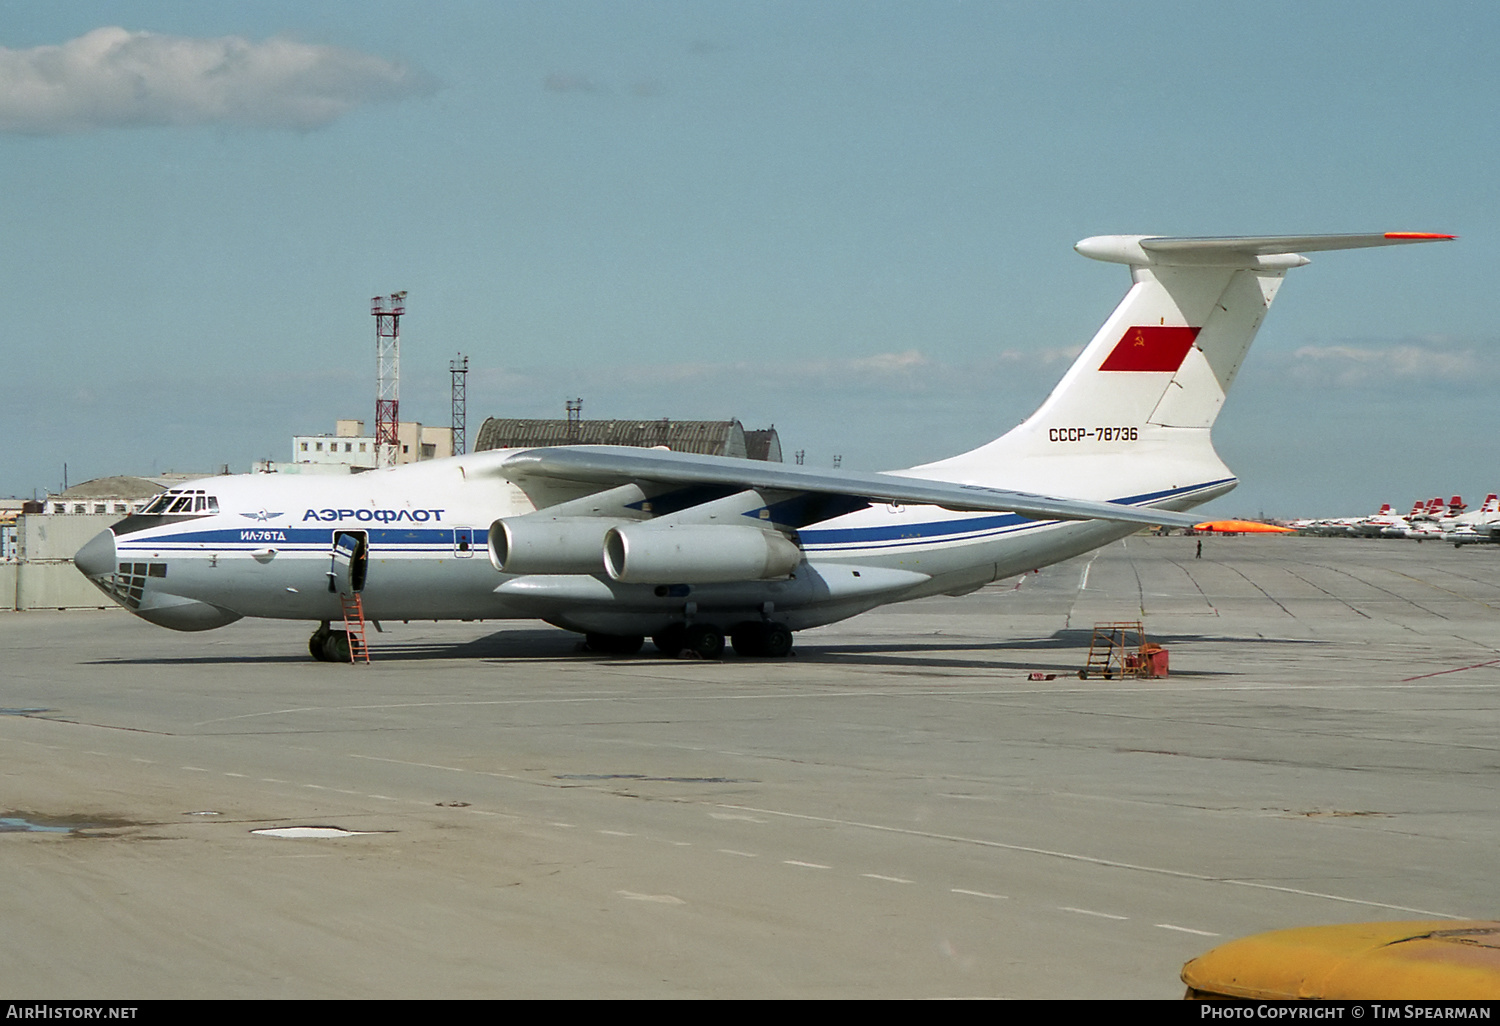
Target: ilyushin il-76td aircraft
<point x="620" y="544"/>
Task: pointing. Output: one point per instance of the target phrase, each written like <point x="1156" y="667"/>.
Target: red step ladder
<point x="1115" y="651"/>
<point x="354" y="627"/>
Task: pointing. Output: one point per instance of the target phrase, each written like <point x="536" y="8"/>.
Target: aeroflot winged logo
<point x="260" y="515"/>
<point x="380" y="516"/>
<point x="1150" y="347"/>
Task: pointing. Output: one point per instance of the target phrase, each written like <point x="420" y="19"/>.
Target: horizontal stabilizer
<point x="1265" y="251"/>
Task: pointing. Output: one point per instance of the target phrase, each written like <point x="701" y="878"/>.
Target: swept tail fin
<point x="1131" y="416"/>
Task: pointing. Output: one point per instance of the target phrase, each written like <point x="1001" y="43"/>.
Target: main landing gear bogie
<point x="671" y="641"/>
<point x="705" y="641"/>
<point x="766" y="640"/>
<point x="698" y="640"/>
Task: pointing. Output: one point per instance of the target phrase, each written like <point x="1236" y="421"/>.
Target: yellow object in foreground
<point x="1437" y="960"/>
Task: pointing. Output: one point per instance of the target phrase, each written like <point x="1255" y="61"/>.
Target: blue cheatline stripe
<point x="871" y="539"/>
<point x="948" y="530"/>
<point x="387" y="537"/>
<point x="439" y="540"/>
<point x="290" y="549"/>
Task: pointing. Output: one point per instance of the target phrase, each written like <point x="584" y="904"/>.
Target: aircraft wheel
<point x="706" y="640"/>
<point x="615" y="644"/>
<point x="777" y="643"/>
<point x="762" y="640"/>
<point x="316" y="642"/>
<point x="749" y="639"/>
<point x="336" y="648"/>
<point x="671" y="641"/>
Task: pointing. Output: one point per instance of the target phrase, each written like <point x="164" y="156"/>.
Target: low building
<point x="764" y="444"/>
<point x="37" y="571"/>
<point x="349" y="450"/>
<point x="709" y="437"/>
<point x="116" y="496"/>
<point x="348" y="446"/>
<point x="10" y="509"/>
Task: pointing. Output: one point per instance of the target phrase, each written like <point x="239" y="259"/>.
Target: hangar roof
<point x="709" y="437"/>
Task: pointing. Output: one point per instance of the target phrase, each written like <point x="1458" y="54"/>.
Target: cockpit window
<point x="180" y="502"/>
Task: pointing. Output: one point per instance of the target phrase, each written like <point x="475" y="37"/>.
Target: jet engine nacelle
<point x="549" y="545"/>
<point x="697" y="554"/>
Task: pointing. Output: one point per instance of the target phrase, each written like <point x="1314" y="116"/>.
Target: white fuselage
<point x="267" y="553"/>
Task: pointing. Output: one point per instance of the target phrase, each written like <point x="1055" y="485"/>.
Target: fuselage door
<point x="463" y="542"/>
<point x="351" y="551"/>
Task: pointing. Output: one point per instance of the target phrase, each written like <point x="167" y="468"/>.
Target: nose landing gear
<point x="329" y="646"/>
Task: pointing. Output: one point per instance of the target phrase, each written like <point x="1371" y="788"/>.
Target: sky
<point x="852" y="220"/>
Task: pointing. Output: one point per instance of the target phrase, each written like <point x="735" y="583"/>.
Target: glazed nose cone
<point x="97" y="558"/>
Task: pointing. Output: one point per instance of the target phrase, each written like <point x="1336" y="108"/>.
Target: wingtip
<point x="1420" y="236"/>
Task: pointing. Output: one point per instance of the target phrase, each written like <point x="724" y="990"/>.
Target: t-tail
<point x="1130" y="421"/>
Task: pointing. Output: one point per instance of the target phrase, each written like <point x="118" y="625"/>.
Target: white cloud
<point x="114" y="78"/>
<point x="1389" y="364"/>
<point x="889" y="363"/>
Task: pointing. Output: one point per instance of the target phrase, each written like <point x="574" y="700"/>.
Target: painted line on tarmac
<point x="1456" y="669"/>
<point x="1180" y="874"/>
<point x="1090" y="912"/>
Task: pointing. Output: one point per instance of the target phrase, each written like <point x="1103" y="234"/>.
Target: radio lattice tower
<point x="387" y="376"/>
<point x="575" y="415"/>
<point x="460" y="371"/>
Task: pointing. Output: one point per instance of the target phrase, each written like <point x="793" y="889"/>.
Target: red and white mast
<point x="387" y="376"/>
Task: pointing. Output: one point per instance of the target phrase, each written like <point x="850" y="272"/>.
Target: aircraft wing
<point x="612" y="465"/>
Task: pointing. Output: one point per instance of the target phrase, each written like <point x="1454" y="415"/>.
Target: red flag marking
<point x="1150" y="348"/>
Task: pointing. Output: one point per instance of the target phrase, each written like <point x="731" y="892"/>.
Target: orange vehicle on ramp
<point x="1241" y="527"/>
